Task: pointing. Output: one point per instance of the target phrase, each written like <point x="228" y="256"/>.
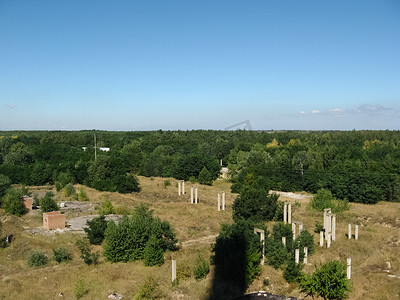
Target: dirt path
<point x="202" y="240"/>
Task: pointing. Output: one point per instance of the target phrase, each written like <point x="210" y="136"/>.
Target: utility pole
<point x="95" y="148"/>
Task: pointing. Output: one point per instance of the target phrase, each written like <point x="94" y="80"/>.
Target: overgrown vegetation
<point x="324" y="199"/>
<point x="37" y="259"/>
<point x="149" y="290"/>
<point x="329" y="282"/>
<point x="96" y="229"/>
<point x="48" y="204"/>
<point x="61" y="255"/>
<point x="127" y="240"/>
<point x="81" y="288"/>
<point x="201" y="269"/>
<point x="87" y="255"/>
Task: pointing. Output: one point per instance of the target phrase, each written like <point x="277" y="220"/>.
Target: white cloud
<point x="367" y="108"/>
<point x="302" y="112"/>
<point x="337" y="110"/>
<point x="315" y="111"/>
<point x="11" y="106"/>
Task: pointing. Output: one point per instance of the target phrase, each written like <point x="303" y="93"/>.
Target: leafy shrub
<point x="292" y="271"/>
<point x="13" y="202"/>
<point x="69" y="190"/>
<point x="324" y="199"/>
<point x="37" y="259"/>
<point x="127" y="240"/>
<point x="48" y="204"/>
<point x="95" y="230"/>
<point x="205" y="177"/>
<point x="153" y="253"/>
<point x="275" y="252"/>
<point x="266" y="282"/>
<point x="305" y="239"/>
<point x="106" y="207"/>
<point x="86" y="254"/>
<point x="318" y="227"/>
<point x="61" y="255"/>
<point x="80" y="289"/>
<point x="82" y="196"/>
<point x="149" y="290"/>
<point x="201" y="269"/>
<point x="167" y="183"/>
<point x="329" y="282"/>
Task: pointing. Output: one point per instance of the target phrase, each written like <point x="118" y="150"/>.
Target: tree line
<point x="361" y="166"/>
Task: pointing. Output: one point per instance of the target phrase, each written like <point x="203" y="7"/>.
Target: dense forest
<point x="360" y="166"/>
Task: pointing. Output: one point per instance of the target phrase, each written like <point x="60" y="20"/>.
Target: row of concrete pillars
<point x="294" y="228"/>
<point x="329" y="224"/>
<point x="221" y="195"/>
<point x="355" y="232"/>
<point x="287" y="213"/>
<point x="297" y="255"/>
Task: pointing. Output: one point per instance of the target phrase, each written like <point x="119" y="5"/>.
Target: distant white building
<point x="224" y="173"/>
<point x="106" y="149"/>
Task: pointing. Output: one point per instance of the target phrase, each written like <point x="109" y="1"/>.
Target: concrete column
<point x="183" y="187"/>
<point x="262" y="239"/>
<point x="179" y="188"/>
<point x="305" y="260"/>
<point x="329" y="222"/>
<point x="333" y="227"/>
<point x="356" y="232"/>
<point x="328" y="240"/>
<point x="290" y="213"/>
<point x="173" y="270"/>
<point x="223" y="200"/>
<point x="285" y="205"/>
<point x="220" y="162"/>
<point x="349" y="231"/>
<point x="196" y="198"/>
<point x="297" y="256"/>
<point x="321" y="238"/>
<point x="284" y="241"/>
<point x="294" y="230"/>
<point x="191" y="195"/>
<point x="300" y="228"/>
<point x="219" y="201"/>
<point x="348" y="268"/>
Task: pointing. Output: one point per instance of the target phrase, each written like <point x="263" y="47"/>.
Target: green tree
<point x="153" y="253"/>
<point x="13" y="202"/>
<point x="48" y="204"/>
<point x="255" y="204"/>
<point x="5" y="183"/>
<point x="329" y="282"/>
<point x="205" y="177"/>
<point x="95" y="230"/>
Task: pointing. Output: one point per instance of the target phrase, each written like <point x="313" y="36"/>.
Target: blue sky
<point x="147" y="65"/>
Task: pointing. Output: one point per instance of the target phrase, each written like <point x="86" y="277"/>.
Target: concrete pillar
<point x="294" y="230"/>
<point x="262" y="239"/>
<point x="290" y="213"/>
<point x="348" y="268"/>
<point x="300" y="228"/>
<point x="333" y="227"/>
<point x="284" y="241"/>
<point x="305" y="260"/>
<point x="349" y="231"/>
<point x="173" y="270"/>
<point x="179" y="188"/>
<point x="223" y="200"/>
<point x="191" y="195"/>
<point x="328" y="240"/>
<point x="285" y="205"/>
<point x="183" y="187"/>
<point x="328" y="223"/>
<point x="356" y="233"/>
<point x="220" y="162"/>
<point x="297" y="256"/>
<point x="219" y="201"/>
<point x="196" y="198"/>
<point x="321" y="238"/>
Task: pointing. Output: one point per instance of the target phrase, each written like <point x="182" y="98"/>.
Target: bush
<point x="329" y="282"/>
<point x="5" y="184"/>
<point x="13" y="202"/>
<point x="69" y="190"/>
<point x="37" y="259"/>
<point x="82" y="196"/>
<point x="275" y="252"/>
<point x="86" y="254"/>
<point x="324" y="199"/>
<point x="48" y="204"/>
<point x="80" y="289"/>
<point x="107" y="208"/>
<point x="318" y="227"/>
<point x="149" y="290"/>
<point x="305" y="239"/>
<point x="201" y="269"/>
<point x="95" y="230"/>
<point x="292" y="272"/>
<point x="205" y="177"/>
<point x="127" y="240"/>
<point x="166" y="183"/>
<point x="61" y="255"/>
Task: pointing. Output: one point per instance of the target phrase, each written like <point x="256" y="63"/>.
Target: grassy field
<point x="196" y="227"/>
